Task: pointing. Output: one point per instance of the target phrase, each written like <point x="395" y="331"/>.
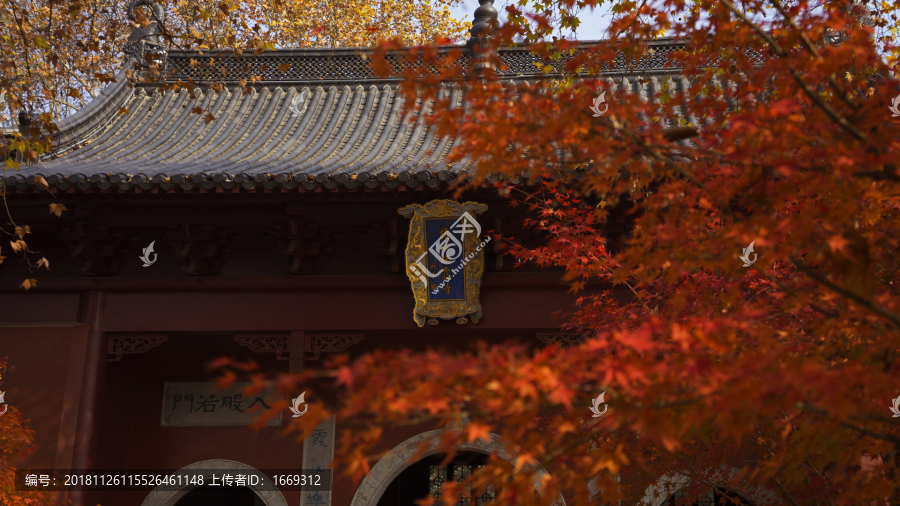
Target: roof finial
<point x="482" y="33"/>
<point x="143" y="40"/>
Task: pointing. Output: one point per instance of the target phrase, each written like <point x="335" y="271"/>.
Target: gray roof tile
<point x="352" y="128"/>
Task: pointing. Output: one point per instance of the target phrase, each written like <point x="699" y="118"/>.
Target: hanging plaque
<point x="445" y="260"/>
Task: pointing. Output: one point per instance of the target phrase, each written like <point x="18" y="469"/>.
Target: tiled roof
<point x="348" y="128"/>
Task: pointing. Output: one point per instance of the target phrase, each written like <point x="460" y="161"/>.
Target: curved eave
<point x="242" y="184"/>
<point x="332" y="138"/>
<point x="96" y="115"/>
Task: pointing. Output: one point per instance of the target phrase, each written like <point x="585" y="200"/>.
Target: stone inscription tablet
<point x="206" y="405"/>
<point x="318" y="454"/>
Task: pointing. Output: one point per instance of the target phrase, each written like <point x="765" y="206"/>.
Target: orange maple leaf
<point x="838" y="243"/>
<point x="345" y="377"/>
<point x="477" y="431"/>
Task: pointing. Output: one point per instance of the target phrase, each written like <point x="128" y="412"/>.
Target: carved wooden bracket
<point x="298" y="346"/>
<point x="387" y="242"/>
<point x="563" y="339"/>
<point x="301" y="243"/>
<point x="202" y="247"/>
<point x="116" y="346"/>
<point x="101" y="249"/>
<point x="265" y="342"/>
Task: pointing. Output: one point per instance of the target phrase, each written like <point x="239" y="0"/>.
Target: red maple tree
<point x="768" y="382"/>
<point x="16" y="443"/>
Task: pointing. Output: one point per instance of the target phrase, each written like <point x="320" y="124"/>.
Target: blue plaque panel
<point x="451" y="283"/>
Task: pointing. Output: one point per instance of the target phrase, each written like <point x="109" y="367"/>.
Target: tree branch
<point x="787" y="495"/>
<point x="726" y="490"/>
<point x="831" y="113"/>
<point x="847" y="294"/>
<point x="815" y="52"/>
<point x="884" y="437"/>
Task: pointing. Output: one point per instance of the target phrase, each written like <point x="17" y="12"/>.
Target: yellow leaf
<point x="57" y="209"/>
<point x="18" y="246"/>
<point x="39" y="180"/>
<point x="28" y="283"/>
<point x="2" y="258"/>
<point x="123" y="110"/>
<point x="21" y="231"/>
<point x="43" y="262"/>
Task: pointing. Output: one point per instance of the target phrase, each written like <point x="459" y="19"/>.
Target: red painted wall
<point x="37" y="387"/>
<point x="130" y="416"/>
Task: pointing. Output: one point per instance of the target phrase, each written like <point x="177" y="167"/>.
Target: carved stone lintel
<point x="562" y="339"/>
<point x="129" y="345"/>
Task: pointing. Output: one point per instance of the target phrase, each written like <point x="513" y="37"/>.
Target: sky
<point x="593" y="23"/>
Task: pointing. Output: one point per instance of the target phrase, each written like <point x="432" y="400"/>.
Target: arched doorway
<point x="392" y="465"/>
<point x="158" y="497"/>
<point x="207" y="495"/>
<point x="707" y="497"/>
<point x="675" y="489"/>
<point x="425" y="477"/>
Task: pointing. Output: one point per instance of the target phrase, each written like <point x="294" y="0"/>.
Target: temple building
<point x="279" y="231"/>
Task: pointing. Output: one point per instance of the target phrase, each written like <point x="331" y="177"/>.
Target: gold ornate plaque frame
<point x="460" y="310"/>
